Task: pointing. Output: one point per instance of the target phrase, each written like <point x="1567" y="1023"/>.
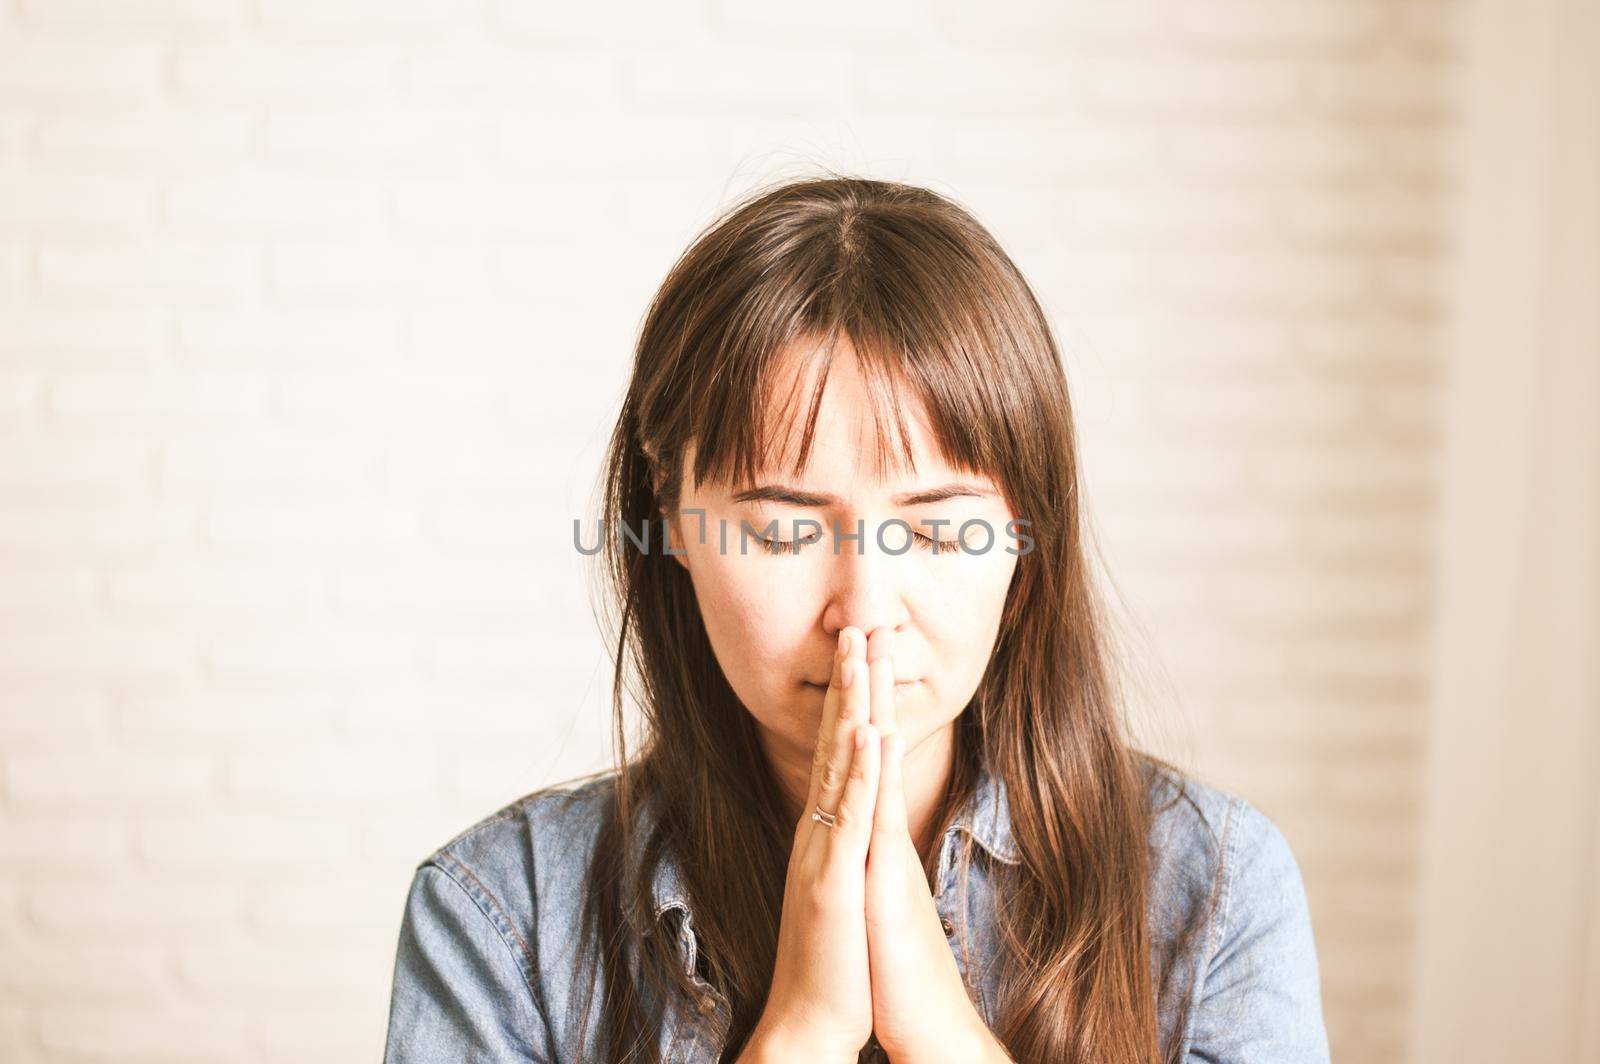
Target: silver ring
<point x="824" y="817"/>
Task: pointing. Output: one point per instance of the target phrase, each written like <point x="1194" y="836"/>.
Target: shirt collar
<point x="986" y="817"/>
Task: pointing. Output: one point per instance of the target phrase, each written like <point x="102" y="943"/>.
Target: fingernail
<point x="861" y="738"/>
<point x="846" y="673"/>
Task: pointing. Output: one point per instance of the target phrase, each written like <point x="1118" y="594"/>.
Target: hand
<point x="819" y="1006"/>
<point x="920" y="1007"/>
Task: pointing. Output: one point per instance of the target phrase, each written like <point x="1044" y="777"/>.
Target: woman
<point x="884" y="804"/>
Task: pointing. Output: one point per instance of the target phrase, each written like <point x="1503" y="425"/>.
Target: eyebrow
<point x="783" y="493"/>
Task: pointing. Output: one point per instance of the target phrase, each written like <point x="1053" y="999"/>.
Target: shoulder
<point x="522" y="866"/>
<point x="1230" y="923"/>
<point x="1192" y="829"/>
<point x="539" y="844"/>
<point x="1206" y="841"/>
<point x="468" y="965"/>
<point x="1205" y="836"/>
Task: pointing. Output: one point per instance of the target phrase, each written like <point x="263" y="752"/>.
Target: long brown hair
<point x="934" y="306"/>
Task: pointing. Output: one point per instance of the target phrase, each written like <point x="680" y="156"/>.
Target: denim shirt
<point x="484" y="970"/>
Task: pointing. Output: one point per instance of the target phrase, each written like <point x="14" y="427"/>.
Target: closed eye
<point x="784" y="546"/>
<point x="925" y="543"/>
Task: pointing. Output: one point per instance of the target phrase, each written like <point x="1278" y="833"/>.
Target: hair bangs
<point x="921" y="364"/>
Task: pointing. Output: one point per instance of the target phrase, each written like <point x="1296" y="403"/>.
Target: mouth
<point x="899" y="685"/>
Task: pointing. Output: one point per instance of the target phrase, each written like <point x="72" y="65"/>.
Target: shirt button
<point x="947" y="927"/>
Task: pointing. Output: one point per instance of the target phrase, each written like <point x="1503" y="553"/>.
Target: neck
<point x="926" y="778"/>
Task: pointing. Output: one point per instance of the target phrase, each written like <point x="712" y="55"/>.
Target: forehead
<point x="855" y="440"/>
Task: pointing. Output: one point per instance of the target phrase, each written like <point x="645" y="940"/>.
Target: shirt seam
<point x="1222" y="887"/>
<point x="484" y="901"/>
<point x="1230" y="867"/>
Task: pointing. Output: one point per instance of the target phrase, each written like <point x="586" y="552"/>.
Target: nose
<point x="865" y="585"/>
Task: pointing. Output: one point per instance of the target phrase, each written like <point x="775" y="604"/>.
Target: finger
<point x="857" y="705"/>
<point x="850" y="835"/>
<point x="832" y="758"/>
<point x="880" y="661"/>
<point x="828" y="728"/>
<point x="889" y="814"/>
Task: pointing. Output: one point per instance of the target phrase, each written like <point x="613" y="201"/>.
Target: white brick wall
<point x="313" y="317"/>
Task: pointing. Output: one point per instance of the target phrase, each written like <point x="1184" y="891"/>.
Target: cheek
<point x="731" y="609"/>
<point x="960" y="620"/>
<point x="758" y="643"/>
<point x="968" y="598"/>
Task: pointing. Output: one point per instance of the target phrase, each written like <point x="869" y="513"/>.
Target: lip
<point x="897" y="683"/>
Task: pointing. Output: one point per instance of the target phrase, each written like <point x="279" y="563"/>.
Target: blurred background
<point x="315" y="316"/>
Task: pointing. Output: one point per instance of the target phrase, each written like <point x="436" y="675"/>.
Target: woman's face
<point x="774" y="619"/>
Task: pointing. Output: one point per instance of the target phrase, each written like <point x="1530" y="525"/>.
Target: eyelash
<point x="792" y="546"/>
